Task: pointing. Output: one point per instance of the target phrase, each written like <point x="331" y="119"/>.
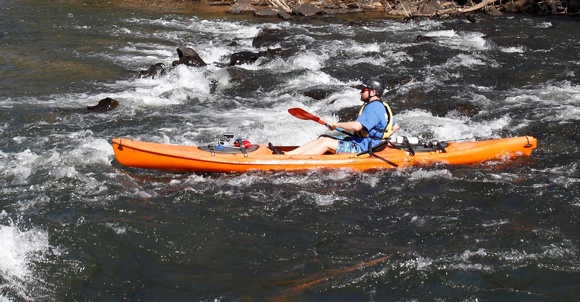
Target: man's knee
<point x="326" y="139"/>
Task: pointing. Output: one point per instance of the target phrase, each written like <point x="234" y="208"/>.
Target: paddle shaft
<point x="305" y="115"/>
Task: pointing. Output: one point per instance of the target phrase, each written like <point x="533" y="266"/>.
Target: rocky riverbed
<point x="298" y="9"/>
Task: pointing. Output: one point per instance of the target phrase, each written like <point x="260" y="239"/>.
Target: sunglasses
<point x="364" y="90"/>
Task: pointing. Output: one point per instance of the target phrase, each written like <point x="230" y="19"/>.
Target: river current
<point x="77" y="226"/>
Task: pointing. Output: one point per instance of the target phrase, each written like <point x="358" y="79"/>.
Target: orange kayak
<point x="213" y="158"/>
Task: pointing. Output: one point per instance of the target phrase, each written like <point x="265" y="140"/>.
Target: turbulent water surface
<point x="77" y="226"/>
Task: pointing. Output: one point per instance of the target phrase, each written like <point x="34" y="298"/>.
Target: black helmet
<point x="374" y="84"/>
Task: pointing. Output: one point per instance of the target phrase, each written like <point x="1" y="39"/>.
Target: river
<point x="77" y="226"/>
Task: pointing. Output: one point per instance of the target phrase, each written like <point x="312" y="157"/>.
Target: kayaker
<point x="374" y="115"/>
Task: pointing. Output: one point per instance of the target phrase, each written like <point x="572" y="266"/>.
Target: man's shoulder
<point x="376" y="105"/>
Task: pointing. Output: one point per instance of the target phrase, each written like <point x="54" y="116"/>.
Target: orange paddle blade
<point x="305" y="115"/>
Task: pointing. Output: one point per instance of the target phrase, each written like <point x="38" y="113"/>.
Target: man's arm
<point x="348" y="126"/>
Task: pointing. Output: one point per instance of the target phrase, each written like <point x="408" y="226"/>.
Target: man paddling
<point x="375" y="123"/>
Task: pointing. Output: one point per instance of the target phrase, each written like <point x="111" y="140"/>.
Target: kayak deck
<point x="176" y="158"/>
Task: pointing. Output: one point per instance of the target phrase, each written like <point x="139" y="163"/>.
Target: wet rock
<point x="244" y="57"/>
<point x="248" y="57"/>
<point x="154" y="71"/>
<point x="189" y="57"/>
<point x="317" y="93"/>
<point x="104" y="105"/>
<point x="268" y="37"/>
<point x="421" y="38"/>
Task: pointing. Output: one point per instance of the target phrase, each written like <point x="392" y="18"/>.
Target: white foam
<point x="311" y="78"/>
<point x="93" y="151"/>
<point x="18" y="165"/>
<point x="461" y="40"/>
<point x="415" y="122"/>
<point x="214" y="53"/>
<point x="309" y="60"/>
<point x="463" y="60"/>
<point x="20" y="250"/>
<point x="421" y="174"/>
<point x="325" y="200"/>
<point x="442" y="33"/>
<point x="183" y="84"/>
<point x="557" y="102"/>
<point x="512" y="49"/>
<point x="545" y="25"/>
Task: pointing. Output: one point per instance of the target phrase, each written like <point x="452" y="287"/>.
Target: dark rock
<point x="573" y="6"/>
<point x="493" y="11"/>
<point x="189" y="57"/>
<point x="284" y="15"/>
<point x="242" y="6"/>
<point x="339" y="11"/>
<point x="429" y="8"/>
<point x="104" y="105"/>
<point x="359" y="23"/>
<point x="522" y="6"/>
<point x="154" y="71"/>
<point x="353" y="5"/>
<point x="466" y="109"/>
<point x="471" y="18"/>
<point x="244" y="57"/>
<point x="421" y="38"/>
<point x="248" y="57"/>
<point x="268" y="37"/>
<point x="266" y="13"/>
<point x="307" y="10"/>
<point x="318" y="93"/>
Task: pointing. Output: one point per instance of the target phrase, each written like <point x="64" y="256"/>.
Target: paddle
<point x="305" y="115"/>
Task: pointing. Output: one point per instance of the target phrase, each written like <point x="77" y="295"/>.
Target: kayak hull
<point x="175" y="158"/>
